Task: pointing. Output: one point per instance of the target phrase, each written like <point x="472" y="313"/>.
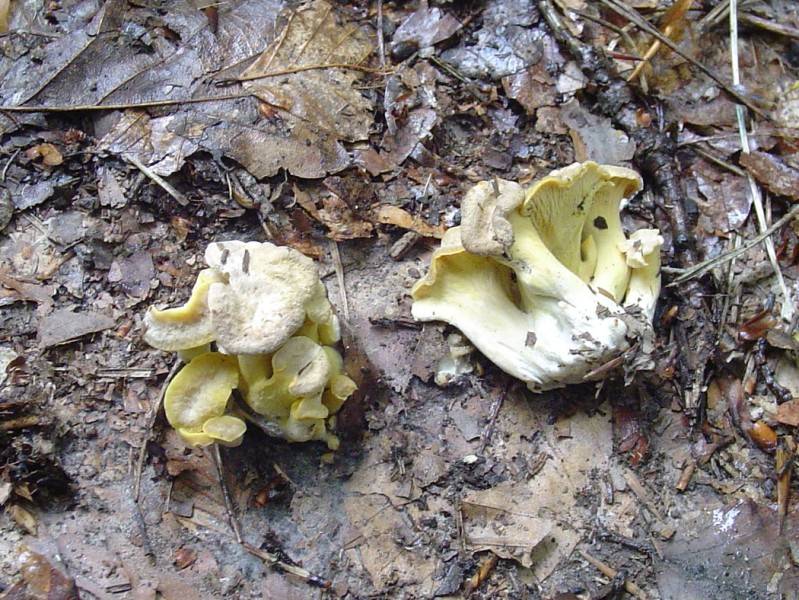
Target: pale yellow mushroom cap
<point x="199" y="392"/>
<point x="265" y="299"/>
<point x="187" y="326"/>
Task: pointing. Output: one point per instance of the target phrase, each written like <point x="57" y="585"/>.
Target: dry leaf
<point x="341" y="222"/>
<point x="5" y="5"/>
<point x="774" y="174"/>
<point x="788" y="413"/>
<point x="319" y="102"/>
<point x="393" y="215"/>
<point x="47" y="153"/>
<point x="24" y="518"/>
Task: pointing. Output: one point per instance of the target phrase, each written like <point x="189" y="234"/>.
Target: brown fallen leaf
<point x="533" y="87"/>
<point x="41" y="578"/>
<point x="393" y="215"/>
<point x="788" y="413"/>
<point x="341" y="222"/>
<point x="184" y="557"/>
<point x="5" y="5"/>
<point x="309" y="72"/>
<point x="772" y="173"/>
<point x="48" y="154"/>
<point x="24" y="518"/>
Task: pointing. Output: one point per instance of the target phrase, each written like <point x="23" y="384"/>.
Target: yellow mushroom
<point x="199" y="392"/>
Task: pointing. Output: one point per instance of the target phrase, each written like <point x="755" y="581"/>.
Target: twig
<point x="770" y="25"/>
<point x="609" y="571"/>
<point x="8" y="164"/>
<point x="703" y="267"/>
<point x="148" y="434"/>
<point x="489" y="429"/>
<point x="62" y="108"/>
<point x="274" y="561"/>
<point x="167" y="187"/>
<point x="216" y="454"/>
<point x="291" y="71"/>
<point x="381" y="43"/>
<point x="642" y="23"/>
<point x="342" y="290"/>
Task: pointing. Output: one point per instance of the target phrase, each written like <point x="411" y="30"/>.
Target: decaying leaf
<point x="304" y="100"/>
<point x="5" y="5"/>
<point x="393" y="215"/>
<point x="46" y="153"/>
<point x="778" y="177"/>
<point x="334" y="214"/>
<point x="41" y="579"/>
<point x="24" y="518"/>
<point x="309" y="72"/>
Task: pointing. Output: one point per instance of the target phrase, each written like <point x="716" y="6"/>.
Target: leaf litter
<point x="677" y="484"/>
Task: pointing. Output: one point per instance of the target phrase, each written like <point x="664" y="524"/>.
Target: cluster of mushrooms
<point x="543" y="281"/>
<point x="267" y="313"/>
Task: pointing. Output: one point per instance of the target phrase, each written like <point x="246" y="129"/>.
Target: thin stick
<point x="489" y="430"/>
<point x="148" y="434"/>
<point x="609" y="571"/>
<point x="342" y="290"/>
<point x="769" y="25"/>
<point x="703" y="267"/>
<point x="291" y="71"/>
<point x="216" y="454"/>
<point x="160" y="181"/>
<point x="62" y="108"/>
<point x="381" y="44"/>
<point x="305" y="575"/>
<point x="754" y="191"/>
<point x="642" y="23"/>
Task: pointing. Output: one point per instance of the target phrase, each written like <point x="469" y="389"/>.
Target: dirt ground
<point x="135" y="132"/>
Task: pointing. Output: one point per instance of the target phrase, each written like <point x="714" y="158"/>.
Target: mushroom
<point x="269" y="293"/>
<point x="267" y="311"/>
<point x="529" y="282"/>
<point x="304" y="386"/>
<point x="198" y="393"/>
<point x="184" y="327"/>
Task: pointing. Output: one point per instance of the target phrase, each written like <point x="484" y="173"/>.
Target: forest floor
<point x="351" y="131"/>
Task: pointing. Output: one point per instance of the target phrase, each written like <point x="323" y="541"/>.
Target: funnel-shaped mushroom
<point x="198" y="393"/>
<point x="518" y="277"/>
<point x="187" y="326"/>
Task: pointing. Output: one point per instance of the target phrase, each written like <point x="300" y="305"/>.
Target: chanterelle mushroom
<point x="536" y="279"/>
<point x="267" y="310"/>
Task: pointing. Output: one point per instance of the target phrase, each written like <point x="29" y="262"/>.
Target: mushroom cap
<point x="603" y="225"/>
<point x="266" y="297"/>
<point x="199" y="392"/>
<point x="643" y="254"/>
<point x="187" y="326"/>
<point x="485" y="228"/>
<point x="478" y="295"/>
<point x="300" y="368"/>
<point x="560" y="204"/>
<point x="639" y="248"/>
<point x="226" y="430"/>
